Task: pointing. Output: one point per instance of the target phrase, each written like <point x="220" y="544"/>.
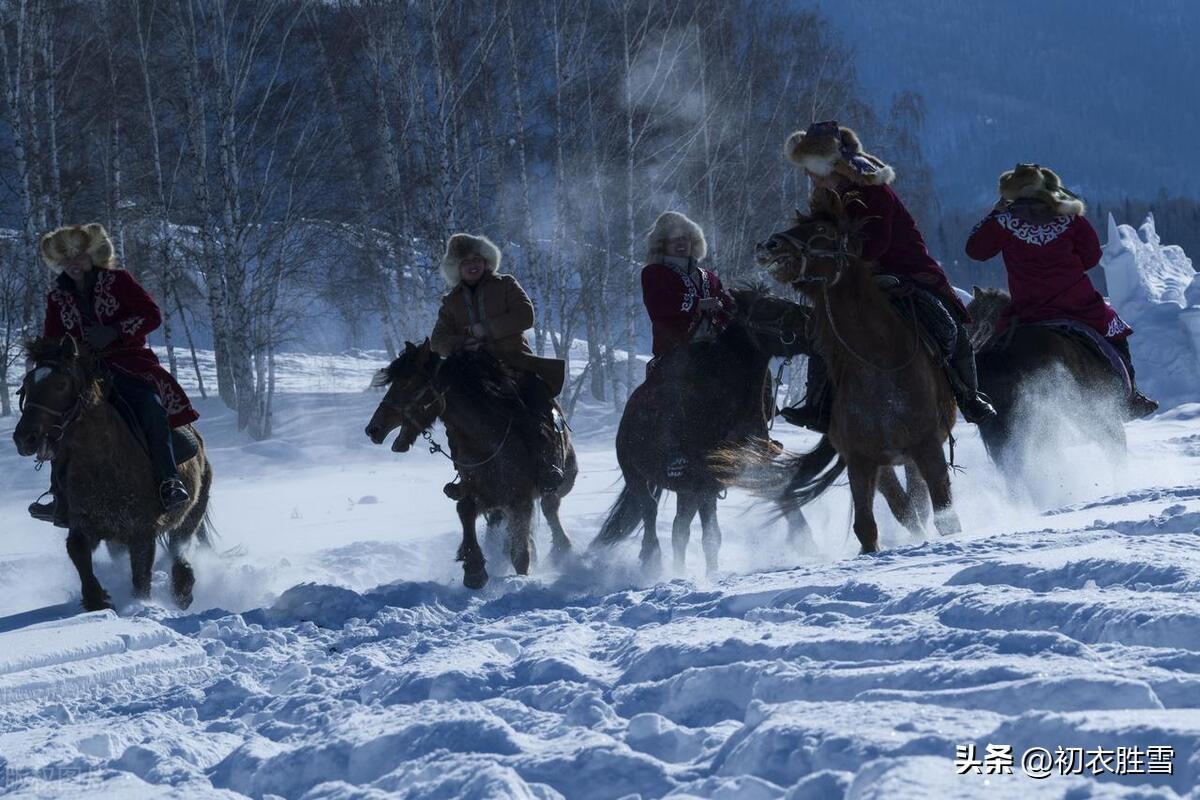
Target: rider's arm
<point x="877" y="208"/>
<point x="446" y="339"/>
<point x="1085" y="242"/>
<point x="987" y="240"/>
<point x="518" y="315"/>
<point x="52" y="327"/>
<point x="137" y="313"/>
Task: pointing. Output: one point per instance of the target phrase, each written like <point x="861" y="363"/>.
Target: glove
<point x="100" y="337"/>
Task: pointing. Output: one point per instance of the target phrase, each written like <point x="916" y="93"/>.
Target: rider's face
<point x="679" y="247"/>
<point x="77" y="266"/>
<point x="471" y="269"/>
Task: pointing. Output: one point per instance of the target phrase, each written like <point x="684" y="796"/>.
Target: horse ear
<point x="976" y="291"/>
<point x="68" y="348"/>
<point x="409" y="346"/>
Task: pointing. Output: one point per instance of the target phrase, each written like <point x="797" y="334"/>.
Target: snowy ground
<point x="332" y="652"/>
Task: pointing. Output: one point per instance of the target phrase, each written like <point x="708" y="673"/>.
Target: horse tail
<point x="625" y="514"/>
<point x="793" y="479"/>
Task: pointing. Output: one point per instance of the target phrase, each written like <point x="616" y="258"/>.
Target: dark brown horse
<point x="699" y="401"/>
<point x="110" y="489"/>
<point x="487" y="421"/>
<point x="891" y="402"/>
<point x="1043" y="383"/>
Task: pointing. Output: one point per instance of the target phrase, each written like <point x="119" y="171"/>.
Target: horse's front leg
<point x="520" y="534"/>
<point x="141" y="565"/>
<point x="931" y="462"/>
<point x="79" y="548"/>
<point x="711" y="536"/>
<point x="560" y="546"/>
<point x="863" y="476"/>
<point x="686" y="506"/>
<point x="474" y="574"/>
<point x="899" y="501"/>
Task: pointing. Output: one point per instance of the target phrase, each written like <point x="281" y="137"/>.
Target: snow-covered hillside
<point x="333" y="653"/>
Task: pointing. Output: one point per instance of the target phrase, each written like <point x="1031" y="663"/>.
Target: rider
<point x="834" y="160"/>
<point x="684" y="300"/>
<point x="486" y="310"/>
<point x="1048" y="247"/>
<point x="103" y="306"/>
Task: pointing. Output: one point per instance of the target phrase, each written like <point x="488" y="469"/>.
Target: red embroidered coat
<point x="891" y="240"/>
<point x="672" y="299"/>
<point x="120" y="302"/>
<point x="1047" y="270"/>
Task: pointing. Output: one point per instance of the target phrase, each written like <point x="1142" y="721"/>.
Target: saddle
<point x="184" y="440"/>
<point x="936" y="327"/>
<point x="1085" y="335"/>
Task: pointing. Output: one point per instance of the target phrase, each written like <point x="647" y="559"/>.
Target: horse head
<point x="817" y="249"/>
<point x="412" y="402"/>
<point x="777" y="326"/>
<point x="52" y="395"/>
<point x="985" y="309"/>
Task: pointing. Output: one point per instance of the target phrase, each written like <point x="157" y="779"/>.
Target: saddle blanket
<point x="1101" y="346"/>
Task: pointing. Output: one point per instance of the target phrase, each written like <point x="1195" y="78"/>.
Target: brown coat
<point x="502" y="306"/>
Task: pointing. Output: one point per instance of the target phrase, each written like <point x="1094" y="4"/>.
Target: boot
<point x="964" y="380"/>
<point x="813" y="412"/>
<point x="1140" y="405"/>
<point x="454" y="491"/>
<point x="53" y="511"/>
<point x="173" y="494"/>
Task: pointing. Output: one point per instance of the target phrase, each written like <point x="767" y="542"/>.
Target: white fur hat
<point x="671" y="224"/>
<point x="462" y="246"/>
<point x="70" y="240"/>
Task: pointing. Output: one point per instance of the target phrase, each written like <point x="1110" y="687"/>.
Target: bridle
<point x="803" y="249"/>
<point x="65" y="418"/>
<point x="774" y="327"/>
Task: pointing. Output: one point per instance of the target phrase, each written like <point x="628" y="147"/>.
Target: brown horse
<point x="105" y="473"/>
<point x="701" y="402"/>
<point x="1042" y="383"/>
<point x="892" y="404"/>
<point x="488" y="423"/>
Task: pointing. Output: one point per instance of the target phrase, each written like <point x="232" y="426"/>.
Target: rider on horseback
<point x="1048" y="247"/>
<point x="485" y="310"/>
<point x="103" y="306"/>
<point x="834" y="160"/>
<point x="684" y="300"/>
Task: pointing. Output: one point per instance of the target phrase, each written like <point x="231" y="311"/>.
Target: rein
<point x="66" y="418"/>
<point x="865" y="361"/>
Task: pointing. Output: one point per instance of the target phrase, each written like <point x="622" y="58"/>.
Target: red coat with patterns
<point x="1047" y="270"/>
<point x="892" y="241"/>
<point x="672" y="299"/>
<point x="120" y="302"/>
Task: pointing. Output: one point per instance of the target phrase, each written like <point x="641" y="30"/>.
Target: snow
<point x="332" y="651"/>
<point x="1154" y="288"/>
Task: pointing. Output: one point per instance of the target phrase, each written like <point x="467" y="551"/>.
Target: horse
<point x="488" y="423"/>
<point x="1042" y="382"/>
<point x="105" y="472"/>
<point x="892" y="404"/>
<point x="698" y="401"/>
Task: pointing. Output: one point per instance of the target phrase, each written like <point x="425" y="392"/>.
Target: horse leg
<point x="141" y="565"/>
<point x="711" y="532"/>
<point x="686" y="506"/>
<point x="494" y="540"/>
<point x="520" y="535"/>
<point x="863" y="476"/>
<point x="931" y="462"/>
<point x="799" y="532"/>
<point x="651" y="554"/>
<point x="898" y="500"/>
<point x="80" y="551"/>
<point x="474" y="573"/>
<point x="918" y="493"/>
<point x="560" y="543"/>
<point x="182" y="577"/>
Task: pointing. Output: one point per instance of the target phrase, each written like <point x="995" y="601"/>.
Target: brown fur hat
<point x="827" y="147"/>
<point x="669" y="225"/>
<point x="1040" y="183"/>
<point x="462" y="246"/>
<point x="70" y="240"/>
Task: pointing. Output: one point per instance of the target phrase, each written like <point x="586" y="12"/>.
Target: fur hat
<point x="70" y="240"/>
<point x="1040" y="183"/>
<point x="462" y="246"/>
<point x="669" y="225"/>
<point x="828" y="147"/>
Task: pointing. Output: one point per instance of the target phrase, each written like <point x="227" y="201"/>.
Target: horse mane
<point x="49" y="349"/>
<point x="478" y="374"/>
<point x="42" y="350"/>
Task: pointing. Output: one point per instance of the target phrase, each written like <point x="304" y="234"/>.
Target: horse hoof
<point x="559" y="554"/>
<point x="866" y="551"/>
<point x="652" y="564"/>
<point x="475" y="580"/>
<point x="101" y="603"/>
<point x="182" y="582"/>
